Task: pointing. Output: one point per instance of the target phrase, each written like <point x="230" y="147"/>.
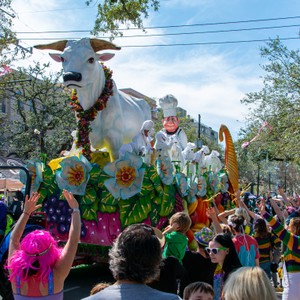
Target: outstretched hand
<point x="71" y="199"/>
<point x="262" y="206"/>
<point x="210" y="212"/>
<point x="30" y="203"/>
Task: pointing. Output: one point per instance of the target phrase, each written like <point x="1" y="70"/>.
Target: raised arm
<point x="64" y="264"/>
<point x="277" y="209"/>
<point x="29" y="207"/>
<point x="289" y="239"/>
<point x="284" y="197"/>
<point x="222" y="216"/>
<point x="211" y="213"/>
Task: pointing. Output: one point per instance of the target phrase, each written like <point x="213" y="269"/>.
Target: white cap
<point x="147" y="125"/>
<point x="169" y="105"/>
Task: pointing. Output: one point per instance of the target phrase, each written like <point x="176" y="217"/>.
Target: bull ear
<point x="56" y="57"/>
<point x="98" y="45"/>
<point x="59" y="46"/>
<point x="105" y="56"/>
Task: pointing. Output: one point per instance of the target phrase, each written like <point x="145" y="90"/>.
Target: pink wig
<point x="38" y="254"/>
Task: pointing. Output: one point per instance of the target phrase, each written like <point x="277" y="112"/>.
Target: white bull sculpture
<point x="123" y="115"/>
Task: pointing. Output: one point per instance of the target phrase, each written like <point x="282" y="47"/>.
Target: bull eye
<point x="91" y="60"/>
<point x="62" y="59"/>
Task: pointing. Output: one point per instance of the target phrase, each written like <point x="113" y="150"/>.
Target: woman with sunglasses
<point x="222" y="251"/>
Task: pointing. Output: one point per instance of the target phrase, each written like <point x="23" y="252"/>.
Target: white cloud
<point x="208" y="80"/>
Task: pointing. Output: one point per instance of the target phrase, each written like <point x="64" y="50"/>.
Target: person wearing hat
<point x="198" y="263"/>
<point x="142" y="142"/>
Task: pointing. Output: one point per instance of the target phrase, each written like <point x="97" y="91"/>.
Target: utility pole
<point x="199" y="142"/>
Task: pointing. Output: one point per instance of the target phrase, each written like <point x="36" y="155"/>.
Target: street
<point x="82" y="278"/>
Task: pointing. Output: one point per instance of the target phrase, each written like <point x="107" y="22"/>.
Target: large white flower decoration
<point x="224" y="185"/>
<point x="201" y="184"/>
<point x="35" y="168"/>
<point x="127" y="176"/>
<point x="182" y="184"/>
<point x="74" y="174"/>
<point x="164" y="169"/>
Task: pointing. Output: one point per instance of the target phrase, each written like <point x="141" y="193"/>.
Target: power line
<point x="220" y="23"/>
<point x="189" y="44"/>
<point x="170" y="34"/>
<point x="206" y="43"/>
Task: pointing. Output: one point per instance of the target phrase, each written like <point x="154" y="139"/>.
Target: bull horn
<point x="98" y="45"/>
<point x="59" y="46"/>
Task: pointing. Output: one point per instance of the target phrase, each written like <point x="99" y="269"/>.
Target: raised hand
<point x="30" y="203"/>
<point x="262" y="206"/>
<point x="71" y="199"/>
<point x="211" y="213"/>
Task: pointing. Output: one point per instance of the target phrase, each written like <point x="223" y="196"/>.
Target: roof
<point x="10" y="179"/>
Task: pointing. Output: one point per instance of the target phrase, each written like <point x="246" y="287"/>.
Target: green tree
<point x="113" y="13"/>
<point x="7" y="36"/>
<point x="43" y="120"/>
<point x="278" y="104"/>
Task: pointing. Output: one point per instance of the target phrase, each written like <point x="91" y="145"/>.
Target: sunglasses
<point x="214" y="250"/>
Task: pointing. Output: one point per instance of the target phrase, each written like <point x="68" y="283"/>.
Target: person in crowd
<point x="294" y="214"/>
<point x="134" y="261"/>
<point x="3" y="213"/>
<point x="198" y="290"/>
<point x="222" y="251"/>
<point x="99" y="287"/>
<point x="173" y="276"/>
<point x="291" y="239"/>
<point x="246" y="246"/>
<point x="267" y="242"/>
<point x="37" y="266"/>
<point x="248" y="283"/>
<point x="175" y="235"/>
<point x="197" y="263"/>
<point x="16" y="208"/>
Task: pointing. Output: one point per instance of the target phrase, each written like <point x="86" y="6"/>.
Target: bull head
<point x="96" y="44"/>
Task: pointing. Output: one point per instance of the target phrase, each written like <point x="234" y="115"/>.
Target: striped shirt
<point x="266" y="245"/>
<point x="290" y="240"/>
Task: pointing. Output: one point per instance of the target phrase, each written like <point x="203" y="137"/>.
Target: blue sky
<point x="208" y="79"/>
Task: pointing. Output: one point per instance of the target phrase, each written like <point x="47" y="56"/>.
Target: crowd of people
<point x="246" y="253"/>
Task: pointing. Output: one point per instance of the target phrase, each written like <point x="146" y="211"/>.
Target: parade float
<point x="119" y="169"/>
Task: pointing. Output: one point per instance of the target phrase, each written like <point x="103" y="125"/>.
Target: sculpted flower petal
<point x="127" y="176"/>
<point x="110" y="168"/>
<point x="35" y="168"/>
<point x="113" y="187"/>
<point x="74" y="174"/>
<point x="135" y="160"/>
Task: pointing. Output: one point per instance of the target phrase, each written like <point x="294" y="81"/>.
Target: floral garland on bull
<point x="87" y="116"/>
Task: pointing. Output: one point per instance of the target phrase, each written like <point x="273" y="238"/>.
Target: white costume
<point x="213" y="162"/>
<point x="142" y="142"/>
<point x="199" y="158"/>
<point x="169" y="106"/>
<point x="162" y="145"/>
